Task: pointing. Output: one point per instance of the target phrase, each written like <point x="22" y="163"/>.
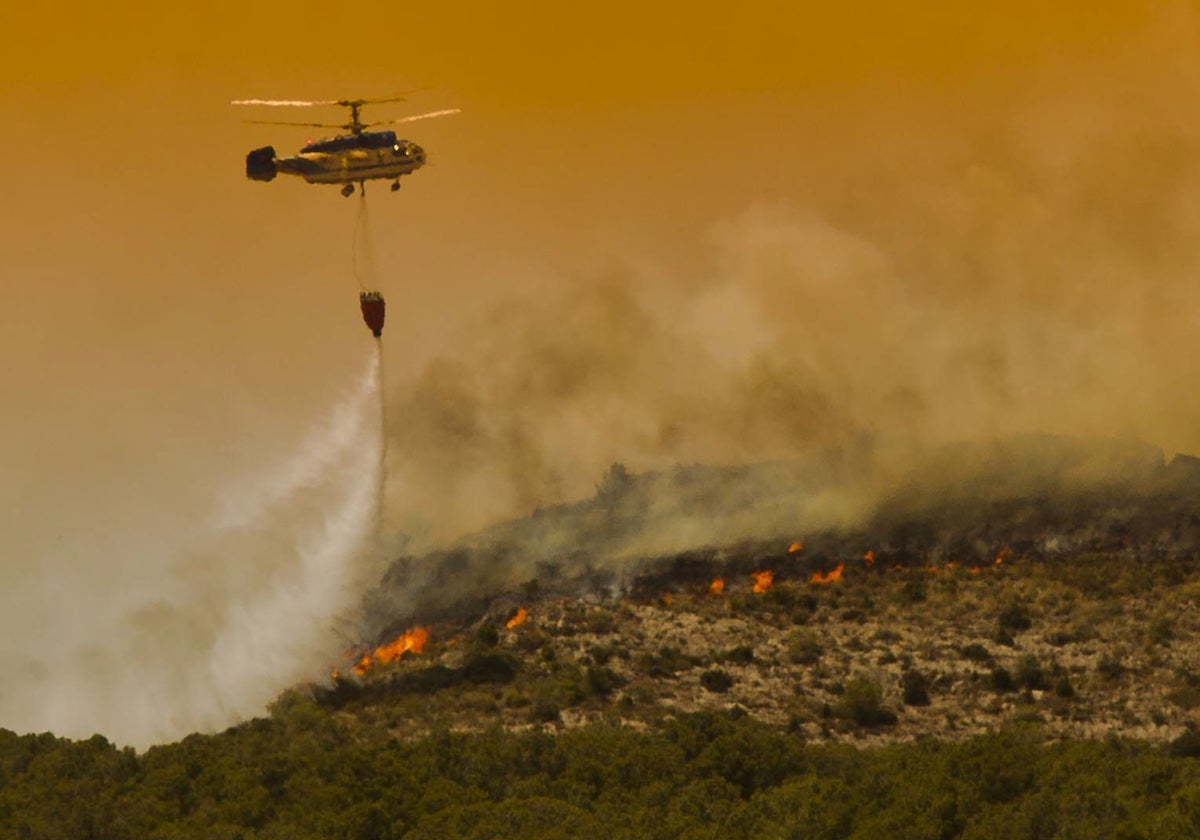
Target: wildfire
<point x="363" y="665"/>
<point x="796" y="545"/>
<point x="716" y="587"/>
<point x="763" y="580"/>
<point x="831" y="576"/>
<point x="518" y="619"/>
<point x="668" y="599"/>
<point x="869" y="557"/>
<point x="1001" y="557"/>
<point x="410" y="641"/>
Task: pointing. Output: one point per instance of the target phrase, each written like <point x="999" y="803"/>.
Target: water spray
<point x="374" y="309"/>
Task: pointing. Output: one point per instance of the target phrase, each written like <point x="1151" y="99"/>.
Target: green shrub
<point x="862" y="703"/>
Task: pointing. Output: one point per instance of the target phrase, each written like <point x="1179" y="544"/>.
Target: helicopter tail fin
<point x="260" y="164"/>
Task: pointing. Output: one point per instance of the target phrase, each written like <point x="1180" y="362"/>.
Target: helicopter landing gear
<point x="395" y="185"/>
<point x="348" y="190"/>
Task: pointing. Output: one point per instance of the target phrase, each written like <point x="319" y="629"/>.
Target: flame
<point x="335" y="674"/>
<point x="717" y="586"/>
<point x="830" y="576"/>
<point x="1001" y="557"/>
<point x="763" y="580"/>
<point x="796" y="545"/>
<point x="668" y="598"/>
<point x="518" y="619"/>
<point x="975" y="570"/>
<point x="410" y="640"/>
<point x="869" y="557"/>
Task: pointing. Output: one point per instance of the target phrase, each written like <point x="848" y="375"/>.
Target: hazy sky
<point x="692" y="232"/>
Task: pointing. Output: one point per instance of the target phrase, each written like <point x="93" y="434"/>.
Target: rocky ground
<point x="1038" y="578"/>
<point x="1090" y="644"/>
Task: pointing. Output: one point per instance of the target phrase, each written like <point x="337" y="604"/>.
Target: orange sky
<point x="668" y="234"/>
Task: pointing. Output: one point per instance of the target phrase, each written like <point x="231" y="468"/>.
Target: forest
<point x="303" y="774"/>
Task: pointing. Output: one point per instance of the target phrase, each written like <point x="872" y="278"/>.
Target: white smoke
<point x="232" y="614"/>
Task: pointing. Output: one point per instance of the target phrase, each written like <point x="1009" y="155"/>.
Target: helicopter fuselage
<point x="346" y="159"/>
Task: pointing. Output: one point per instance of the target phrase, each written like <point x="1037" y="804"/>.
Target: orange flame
<point x="410" y="641"/>
<point x="518" y="619"/>
<point x="668" y="598"/>
<point x="716" y="587"/>
<point x="1001" y="557"/>
<point x="975" y="570"/>
<point x="762" y="580"/>
<point x="796" y="545"/>
<point x="869" y="557"/>
<point x="829" y="577"/>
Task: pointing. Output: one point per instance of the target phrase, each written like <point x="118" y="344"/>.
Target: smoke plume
<point x="969" y="265"/>
<point x="247" y="604"/>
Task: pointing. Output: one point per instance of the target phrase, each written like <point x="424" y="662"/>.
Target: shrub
<point x="862" y="702"/>
<point x="914" y="590"/>
<point x="487" y="636"/>
<point x="1162" y="630"/>
<point x="1110" y="666"/>
<point x="1015" y="618"/>
<point x="915" y="686"/>
<point x="716" y="681"/>
<point x="740" y="655"/>
<point x="1030" y="673"/>
<point x="1002" y="681"/>
<point x="975" y="652"/>
<point x="599" y="681"/>
<point x="804" y="647"/>
<point x="1063" y="687"/>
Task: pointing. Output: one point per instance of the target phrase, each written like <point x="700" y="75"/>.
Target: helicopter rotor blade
<point x="290" y="103"/>
<point x="442" y="113"/>
<point x="302" y="124"/>
<point x="392" y="97"/>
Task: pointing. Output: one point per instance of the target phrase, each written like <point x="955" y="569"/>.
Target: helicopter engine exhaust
<point x="260" y="164"/>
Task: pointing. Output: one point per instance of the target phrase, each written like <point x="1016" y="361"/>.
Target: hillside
<point x="951" y="610"/>
<point x="1005" y="651"/>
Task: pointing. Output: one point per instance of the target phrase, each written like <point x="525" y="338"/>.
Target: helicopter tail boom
<point x="260" y="164"/>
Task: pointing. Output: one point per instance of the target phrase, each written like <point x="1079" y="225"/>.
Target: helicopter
<point x="345" y="159"/>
